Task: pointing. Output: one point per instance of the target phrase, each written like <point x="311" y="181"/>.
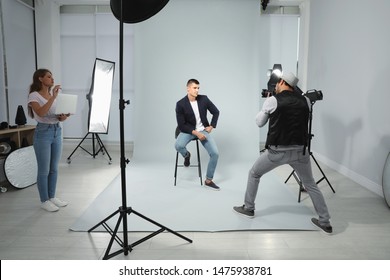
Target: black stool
<point x="182" y="165"/>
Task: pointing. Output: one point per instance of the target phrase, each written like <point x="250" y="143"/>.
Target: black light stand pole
<point x="123" y="210"/>
<point x="301" y="187"/>
<point x="123" y="161"/>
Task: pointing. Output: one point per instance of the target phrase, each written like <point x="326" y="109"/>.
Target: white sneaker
<point x="49" y="206"/>
<point x="58" y="202"/>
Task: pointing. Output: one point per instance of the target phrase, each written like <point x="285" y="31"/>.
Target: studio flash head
<point x="274" y="75"/>
<point x="314" y="95"/>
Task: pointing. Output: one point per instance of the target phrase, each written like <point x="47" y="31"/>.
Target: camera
<point x="266" y="93"/>
<point x="314" y="95"/>
<point x="274" y="75"/>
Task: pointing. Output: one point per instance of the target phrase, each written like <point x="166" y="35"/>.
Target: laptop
<point x="66" y="104"/>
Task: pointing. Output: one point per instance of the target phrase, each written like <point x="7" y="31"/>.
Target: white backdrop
<point x="223" y="47"/>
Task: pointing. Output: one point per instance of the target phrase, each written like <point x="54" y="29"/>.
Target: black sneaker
<point x="325" y="229"/>
<point x="244" y="212"/>
<point x="212" y="185"/>
<point x="187" y="159"/>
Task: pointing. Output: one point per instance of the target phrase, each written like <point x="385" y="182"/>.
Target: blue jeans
<point x="209" y="144"/>
<point x="48" y="149"/>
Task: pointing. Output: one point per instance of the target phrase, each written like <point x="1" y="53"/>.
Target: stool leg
<point x="177" y="158"/>
<point x="199" y="165"/>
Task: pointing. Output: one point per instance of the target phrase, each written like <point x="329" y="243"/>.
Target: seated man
<point x="191" y="115"/>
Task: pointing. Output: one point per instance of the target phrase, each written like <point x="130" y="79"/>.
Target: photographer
<point x="288" y="114"/>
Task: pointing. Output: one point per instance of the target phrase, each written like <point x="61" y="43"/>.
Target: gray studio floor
<point x="360" y="219"/>
<point x="189" y="206"/>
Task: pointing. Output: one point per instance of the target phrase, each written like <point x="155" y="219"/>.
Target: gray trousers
<point x="276" y="156"/>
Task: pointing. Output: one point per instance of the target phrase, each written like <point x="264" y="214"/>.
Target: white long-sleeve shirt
<point x="269" y="106"/>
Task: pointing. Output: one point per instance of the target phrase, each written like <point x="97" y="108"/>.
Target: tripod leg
<point x="102" y="147"/>
<point x="126" y="248"/>
<point x="300" y="185"/>
<point x="199" y="164"/>
<point x="161" y="226"/>
<point x="77" y="147"/>
<point x="177" y="158"/>
<point x="323" y="174"/>
<point x="104" y="221"/>
<point x="93" y="145"/>
<point x="114" y="233"/>
<point x="299" y="195"/>
<point x="301" y="188"/>
<point x="113" y="237"/>
<point x="288" y="178"/>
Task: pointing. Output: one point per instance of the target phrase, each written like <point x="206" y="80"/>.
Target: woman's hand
<point x="56" y="90"/>
<point x="63" y="117"/>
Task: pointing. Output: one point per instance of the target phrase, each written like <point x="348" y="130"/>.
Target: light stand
<point x="95" y="152"/>
<point x="301" y="188"/>
<point x="123" y="210"/>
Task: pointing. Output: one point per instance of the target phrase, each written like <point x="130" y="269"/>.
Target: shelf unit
<point x="18" y="134"/>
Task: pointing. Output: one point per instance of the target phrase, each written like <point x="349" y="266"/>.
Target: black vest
<point x="288" y="124"/>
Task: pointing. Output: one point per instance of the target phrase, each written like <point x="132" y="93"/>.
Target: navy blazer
<point x="185" y="115"/>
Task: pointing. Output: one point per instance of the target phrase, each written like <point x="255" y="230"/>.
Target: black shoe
<point x="244" y="212"/>
<point x="212" y="185"/>
<point x="187" y="159"/>
<point x="325" y="229"/>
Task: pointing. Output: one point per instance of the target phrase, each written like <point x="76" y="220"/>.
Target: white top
<point x="195" y="108"/>
<point x="50" y="117"/>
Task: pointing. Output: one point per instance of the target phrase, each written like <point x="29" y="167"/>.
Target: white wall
<point x="349" y="61"/>
<point x="278" y="43"/>
<point x="19" y="57"/>
<point x="3" y="98"/>
<point x="47" y="20"/>
<point x="85" y="37"/>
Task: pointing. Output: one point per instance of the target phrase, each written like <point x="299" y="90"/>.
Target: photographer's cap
<point x="290" y="79"/>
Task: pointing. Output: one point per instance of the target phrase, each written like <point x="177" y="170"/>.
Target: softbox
<point x="136" y="10"/>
